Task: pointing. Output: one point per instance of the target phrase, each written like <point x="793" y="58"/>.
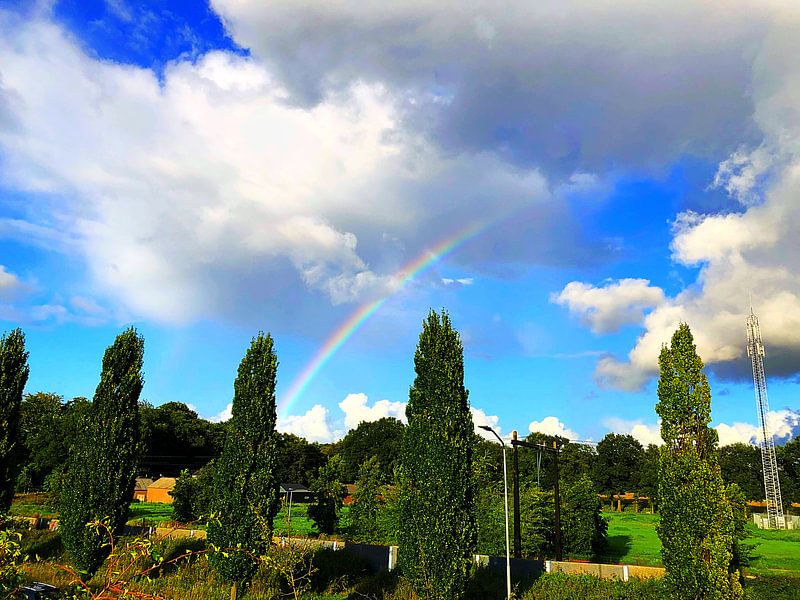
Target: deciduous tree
<point x="437" y="516"/>
<point x="697" y="527"/>
<point x="102" y="464"/>
<point x="246" y="488"/>
<point x="329" y="493"/>
<point x="13" y="377"/>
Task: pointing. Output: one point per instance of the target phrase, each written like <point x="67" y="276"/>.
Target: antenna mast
<point x="772" y="487"/>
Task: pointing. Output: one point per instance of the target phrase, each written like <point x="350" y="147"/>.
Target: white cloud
<point x="314" y="425"/>
<point x="784" y="425"/>
<point x="645" y="433"/>
<point x="552" y="426"/>
<point x="463" y="281"/>
<point x="605" y="309"/>
<point x="223" y="415"/>
<point x="357" y="410"/>
<point x="9" y="283"/>
<point x="479" y="417"/>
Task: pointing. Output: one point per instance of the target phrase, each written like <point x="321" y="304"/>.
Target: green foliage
<point x="619" y="458"/>
<point x="299" y="460"/>
<point x="648" y="473"/>
<point x="437" y="517"/>
<point x="575" y="461"/>
<point x="193" y="494"/>
<point x="367" y="500"/>
<point x="329" y="493"/>
<point x="697" y="527"/>
<point x="42" y="447"/>
<point x="13" y="377"/>
<point x="10" y="562"/>
<point x="382" y="439"/>
<point x="176" y="431"/>
<point x="559" y="586"/>
<point x="245" y="484"/>
<point x="738" y="504"/>
<point x="102" y="464"/>
<point x="583" y="528"/>
<point x="741" y="464"/>
<point x="788" y="457"/>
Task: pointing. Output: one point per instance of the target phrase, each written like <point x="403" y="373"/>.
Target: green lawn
<point x="149" y="513"/>
<point x="633" y="540"/>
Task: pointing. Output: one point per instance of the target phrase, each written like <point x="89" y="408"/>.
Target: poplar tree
<point x="437" y="517"/>
<point x="13" y="377"/>
<point x="696" y="520"/>
<point x="101" y="468"/>
<point x="245" y="483"/>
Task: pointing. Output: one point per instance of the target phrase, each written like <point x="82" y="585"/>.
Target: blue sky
<point x="206" y="171"/>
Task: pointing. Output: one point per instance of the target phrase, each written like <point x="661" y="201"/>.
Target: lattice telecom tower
<point x="772" y="487"/>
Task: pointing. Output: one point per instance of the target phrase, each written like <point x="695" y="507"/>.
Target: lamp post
<point x="505" y="496"/>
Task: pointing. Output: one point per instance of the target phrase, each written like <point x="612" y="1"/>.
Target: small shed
<point x="159" y="491"/>
<point x="296" y="492"/>
<point x="140" y="489"/>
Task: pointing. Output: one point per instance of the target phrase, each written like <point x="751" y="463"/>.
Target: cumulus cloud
<point x="479" y="417"/>
<point x="222" y="415"/>
<point x="645" y="433"/>
<point x="356" y="410"/>
<point x="605" y="309"/>
<point x="552" y="426"/>
<point x="784" y="425"/>
<point x="216" y="195"/>
<point x="314" y="425"/>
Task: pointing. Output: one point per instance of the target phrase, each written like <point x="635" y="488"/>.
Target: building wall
<point x="159" y="495"/>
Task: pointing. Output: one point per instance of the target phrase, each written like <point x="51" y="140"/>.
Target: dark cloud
<point x="563" y="87"/>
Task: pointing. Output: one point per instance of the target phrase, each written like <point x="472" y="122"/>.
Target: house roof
<point x="293" y="487"/>
<point x="164" y="483"/>
<point x="142" y="483"/>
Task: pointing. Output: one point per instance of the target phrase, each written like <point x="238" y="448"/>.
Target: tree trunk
<point x="234" y="591"/>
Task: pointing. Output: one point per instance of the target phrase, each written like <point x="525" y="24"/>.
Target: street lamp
<point x="505" y="495"/>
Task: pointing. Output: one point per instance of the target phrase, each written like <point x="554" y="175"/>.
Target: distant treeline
<point x="175" y="438"/>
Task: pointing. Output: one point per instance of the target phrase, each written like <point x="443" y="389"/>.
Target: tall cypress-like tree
<point x="437" y="515"/>
<point x="245" y="483"/>
<point x="13" y="377"/>
<point x="697" y="524"/>
<point x="101" y="468"/>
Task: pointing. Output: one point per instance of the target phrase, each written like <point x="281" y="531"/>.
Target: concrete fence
<point x="621" y="572"/>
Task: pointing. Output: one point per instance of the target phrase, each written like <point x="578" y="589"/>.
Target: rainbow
<point x="360" y="316"/>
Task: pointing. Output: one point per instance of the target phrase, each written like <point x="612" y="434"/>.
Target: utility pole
<point x="556" y="492"/>
<point x="558" y="504"/>
<point x="515" y="475"/>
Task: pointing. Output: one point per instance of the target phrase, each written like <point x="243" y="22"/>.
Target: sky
<point x="569" y="180"/>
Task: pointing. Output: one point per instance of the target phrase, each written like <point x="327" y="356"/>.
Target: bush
<point x="337" y="571"/>
<point x="42" y="543"/>
<point x="558" y="586"/>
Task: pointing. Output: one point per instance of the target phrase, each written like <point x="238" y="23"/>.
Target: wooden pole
<point x="517" y="528"/>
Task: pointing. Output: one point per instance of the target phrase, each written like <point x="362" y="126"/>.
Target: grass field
<point x="633" y="540"/>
